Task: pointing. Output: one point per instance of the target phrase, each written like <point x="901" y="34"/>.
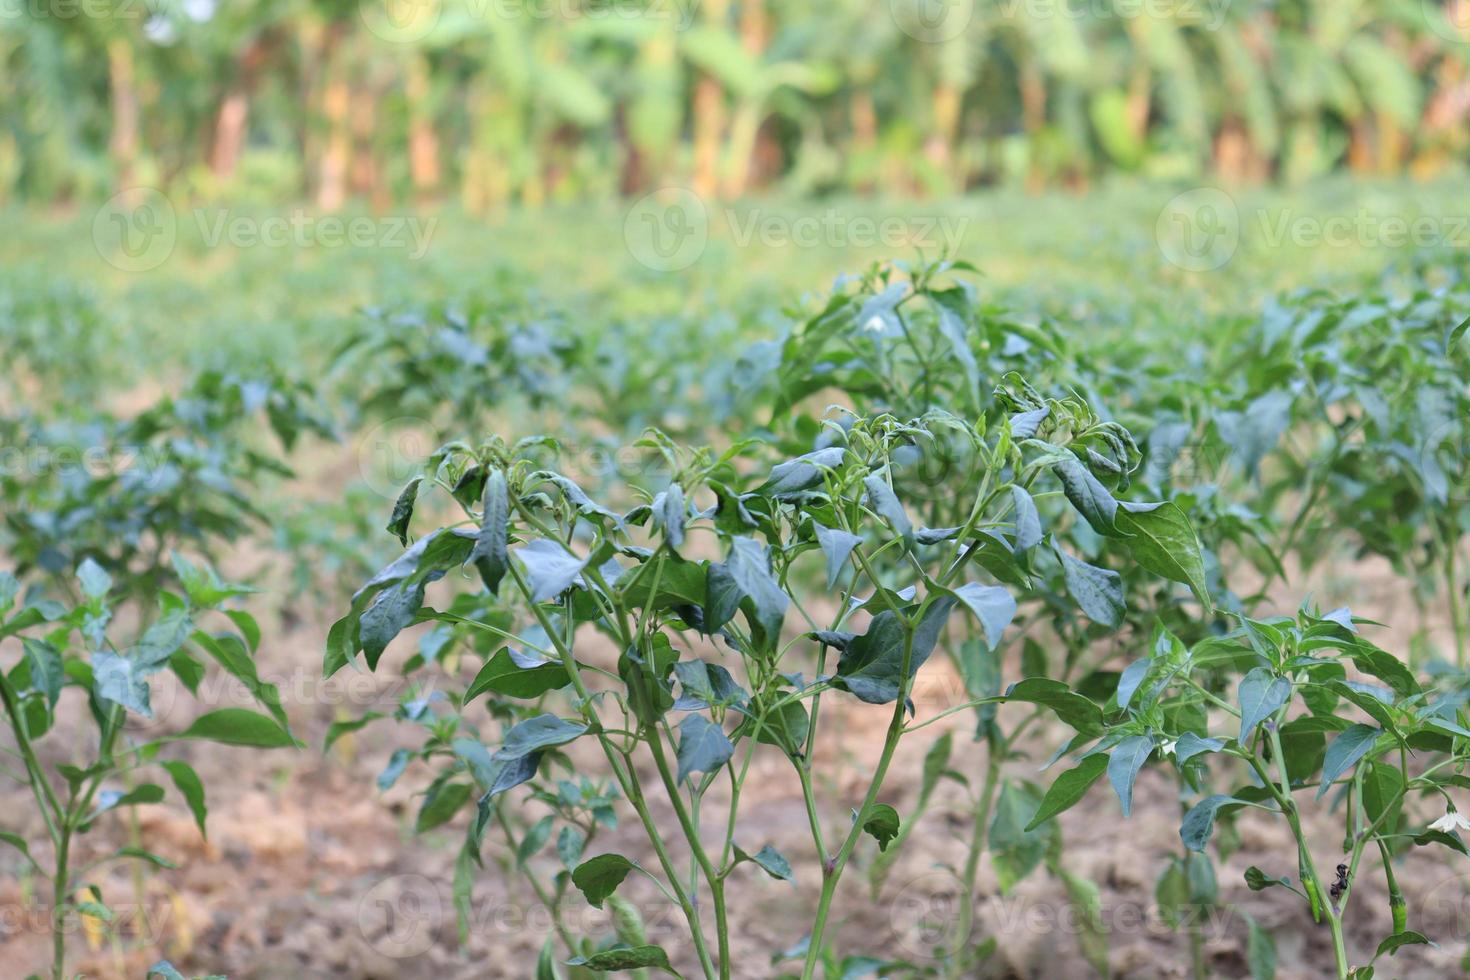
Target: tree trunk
<point x="123" y="145"/>
<point x="423" y="142"/>
<point x="231" y="121"/>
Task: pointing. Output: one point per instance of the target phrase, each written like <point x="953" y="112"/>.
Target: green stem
<point x="627" y="779"/>
<point x="832" y="869"/>
<point x="961" y="936"/>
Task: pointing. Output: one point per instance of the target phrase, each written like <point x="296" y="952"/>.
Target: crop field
<point x="531" y="595"/>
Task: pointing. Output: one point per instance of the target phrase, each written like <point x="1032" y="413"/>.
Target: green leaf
<point x="339" y="728"/>
<point x="802" y="473"/>
<point x="502" y="675"/>
<point x="599" y="877"/>
<point x="703" y="746"/>
<point x="992" y="605"/>
<point x="239" y="726"/>
<point x="1398" y="940"/>
<point x="1164" y="542"/>
<point x="550" y="568"/>
<point x="1191" y="745"/>
<point x="882" y="824"/>
<point x="837" y="547"/>
<point x="749" y="567"/>
<point x="19" y="843"/>
<point x="187" y="781"/>
<point x="569" y="844"/>
<point x="534" y="840"/>
<point x="1257" y="880"/>
<point x="872" y="665"/>
<point x="1015" y="851"/>
<point x="110" y="799"/>
<point x="886" y="505"/>
<point x="1123" y="765"/>
<point x="95" y="582"/>
<point x="1344" y="752"/>
<point x="1069" y="788"/>
<point x="1098" y="591"/>
<point x="1440" y="837"/>
<point x="1383" y="787"/>
<point x="1199" y="822"/>
<point x="1092" y="500"/>
<point x="670" y="512"/>
<point x="769" y="860"/>
<point x="137" y="853"/>
<point x="535" y="734"/>
<point x="441" y="803"/>
<point x="489" y="554"/>
<point x="403" y="510"/>
<point x="625" y="958"/>
<point x="1260" y="951"/>
<point x="1028" y="521"/>
<point x="1260" y="695"/>
<point x="1069" y="706"/>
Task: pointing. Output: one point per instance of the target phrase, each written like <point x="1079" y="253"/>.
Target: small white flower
<point x="1450" y="822"/>
<point x="1168" y="745"/>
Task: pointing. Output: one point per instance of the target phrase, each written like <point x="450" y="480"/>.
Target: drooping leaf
<point x="1098" y="591"/>
<point x="1092" y="500"/>
<point x="769" y="860"/>
<point x="1126" y="760"/>
<point x="489" y="555"/>
<point x="187" y="781"/>
<point x="836" y="546"/>
<point x="992" y="605"/>
<point x="1163" y="541"/>
<point x="1069" y="788"/>
<point x="550" y="568"/>
<point x="872" y="666"/>
<point x="625" y="958"/>
<point x="887" y="506"/>
<point x="882" y="824"/>
<point x="1260" y="695"/>
<point x="1344" y="752"/>
<point x="598" y="877"/>
<point x="1199" y="822"/>
<point x="403" y="510"/>
<point x="703" y="746"/>
<point x="537" y="734"/>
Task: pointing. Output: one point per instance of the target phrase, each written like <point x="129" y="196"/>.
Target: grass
<point x="1092" y="260"/>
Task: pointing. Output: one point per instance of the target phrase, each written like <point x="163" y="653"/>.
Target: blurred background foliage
<point x="491" y="103"/>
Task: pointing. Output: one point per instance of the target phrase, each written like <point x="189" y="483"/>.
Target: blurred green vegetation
<point x="1095" y="261"/>
<point x="492" y="102"/>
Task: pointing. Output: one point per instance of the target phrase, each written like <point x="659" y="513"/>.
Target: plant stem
<point x="832" y="870"/>
<point x="627" y="779"/>
<point x="961" y="936"/>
